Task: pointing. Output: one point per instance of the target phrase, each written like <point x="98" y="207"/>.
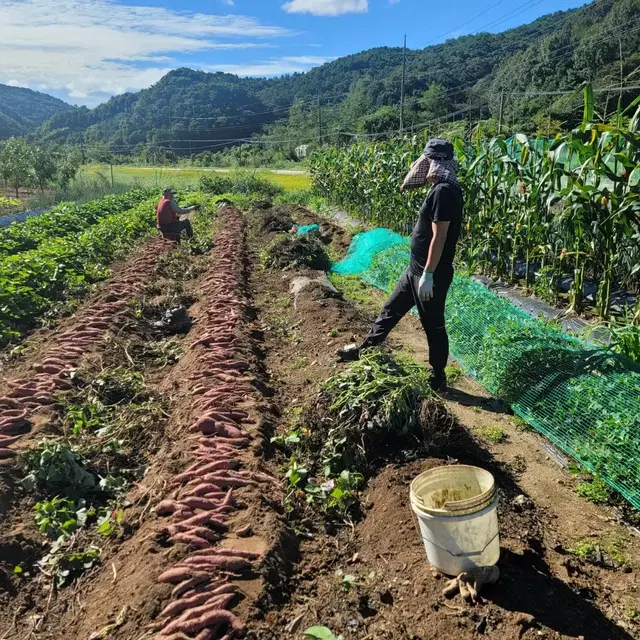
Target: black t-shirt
<point x="443" y="204"/>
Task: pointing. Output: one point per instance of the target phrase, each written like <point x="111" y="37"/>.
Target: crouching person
<point x="168" y="215"/>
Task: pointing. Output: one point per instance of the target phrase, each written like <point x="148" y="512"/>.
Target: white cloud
<point x="273" y="67"/>
<point x="326" y="7"/>
<point x="96" y="48"/>
<point x="229" y="3"/>
<point x="394" y="1"/>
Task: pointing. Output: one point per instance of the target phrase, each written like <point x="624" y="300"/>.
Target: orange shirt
<point x="165" y="213"/>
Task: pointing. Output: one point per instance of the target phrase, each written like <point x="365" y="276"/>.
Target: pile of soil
<point x="291" y="252"/>
<point x="275" y="220"/>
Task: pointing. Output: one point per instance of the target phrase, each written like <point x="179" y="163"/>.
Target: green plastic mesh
<point x="302" y="231"/>
<point x="584" y="399"/>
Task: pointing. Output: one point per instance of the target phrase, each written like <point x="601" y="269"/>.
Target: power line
<point x="493" y="6"/>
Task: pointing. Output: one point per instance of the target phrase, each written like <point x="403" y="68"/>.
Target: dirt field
<point x="545" y="591"/>
<point x="221" y="328"/>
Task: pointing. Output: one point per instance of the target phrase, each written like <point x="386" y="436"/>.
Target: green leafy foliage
<point x="57" y="469"/>
<point x="321" y="633"/>
<point x="34" y="281"/>
<point x="65" y="220"/>
<point x="495" y="435"/>
<point x="66" y="565"/>
<point x="59" y="517"/>
<point x="373" y="403"/>
<point x="243" y="183"/>
<point x="596" y="490"/>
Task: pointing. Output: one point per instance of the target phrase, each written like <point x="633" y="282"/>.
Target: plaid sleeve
<point x="417" y="176"/>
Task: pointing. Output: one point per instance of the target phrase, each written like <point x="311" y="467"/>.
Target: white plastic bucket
<point x="456" y="511"/>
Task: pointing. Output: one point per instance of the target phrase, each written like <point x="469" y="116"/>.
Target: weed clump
<point x="495" y="435"/>
<point x="292" y="252"/>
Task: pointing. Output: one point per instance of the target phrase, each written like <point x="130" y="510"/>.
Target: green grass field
<point x="184" y="176"/>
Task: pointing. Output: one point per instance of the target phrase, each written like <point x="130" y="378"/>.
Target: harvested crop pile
<point x="377" y="406"/>
<point x="51" y="376"/>
<point x="205" y="496"/>
<point x="377" y="401"/>
<point x="292" y="252"/>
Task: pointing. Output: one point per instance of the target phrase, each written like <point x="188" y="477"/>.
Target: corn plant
<point x="566" y="207"/>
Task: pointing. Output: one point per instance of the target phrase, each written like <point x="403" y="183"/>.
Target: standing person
<point x="168" y="212"/>
<point x="428" y="277"/>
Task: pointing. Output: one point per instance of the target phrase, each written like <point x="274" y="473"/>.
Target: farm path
<point x="545" y="590"/>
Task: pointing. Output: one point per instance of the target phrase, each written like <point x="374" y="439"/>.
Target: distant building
<point x="302" y="151"/>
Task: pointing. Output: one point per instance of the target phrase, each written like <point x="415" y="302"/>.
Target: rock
<point x="481" y="627"/>
<point x="522" y="503"/>
<point x="526" y="620"/>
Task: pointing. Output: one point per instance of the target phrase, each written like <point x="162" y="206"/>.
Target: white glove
<point x="425" y="288"/>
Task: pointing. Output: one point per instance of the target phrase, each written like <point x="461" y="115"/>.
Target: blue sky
<point x="85" y="51"/>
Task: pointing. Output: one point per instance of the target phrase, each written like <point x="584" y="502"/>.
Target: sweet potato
<point x="190" y="540"/>
<point x="203" y="489"/>
<point x="195" y="502"/>
<point x="225" y="482"/>
<point x="181" y="605"/>
<point x="205" y="534"/>
<point x="167" y="507"/>
<point x="206" y="518"/>
<point x="216" y="617"/>
<point x="177" y="575"/>
<point x="234" y="553"/>
<point x="189" y="584"/>
<point x="16" y="414"/>
<point x="245" y="532"/>
<point x="218" y="562"/>
<point x="221" y="601"/>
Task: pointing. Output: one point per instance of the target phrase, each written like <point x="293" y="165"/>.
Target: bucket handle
<point x="468" y="554"/>
<point x="449" y="504"/>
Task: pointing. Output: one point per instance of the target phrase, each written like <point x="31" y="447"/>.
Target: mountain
<point x="23" y="110"/>
<point x="476" y="76"/>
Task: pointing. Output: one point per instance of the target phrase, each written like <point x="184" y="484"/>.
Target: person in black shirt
<point x="426" y="281"/>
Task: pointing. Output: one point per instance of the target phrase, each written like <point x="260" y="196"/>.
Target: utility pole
<point x="501" y="112"/>
<point x="319" y="120"/>
<point x="621" y="67"/>
<point x="404" y="75"/>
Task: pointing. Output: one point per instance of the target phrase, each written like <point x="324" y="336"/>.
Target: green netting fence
<point x="584" y="399"/>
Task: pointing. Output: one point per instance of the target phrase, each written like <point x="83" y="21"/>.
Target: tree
<point x="355" y="107"/>
<point x="384" y="120"/>
<point x="434" y="102"/>
<point x="44" y="166"/>
<point x="17" y="160"/>
<point x="70" y="161"/>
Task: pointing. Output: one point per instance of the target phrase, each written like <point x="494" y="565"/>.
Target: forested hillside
<point x="22" y="110"/>
<point x="470" y="77"/>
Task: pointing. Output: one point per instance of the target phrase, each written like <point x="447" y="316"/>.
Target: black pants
<point x="178" y="227"/>
<point x="402" y="300"/>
